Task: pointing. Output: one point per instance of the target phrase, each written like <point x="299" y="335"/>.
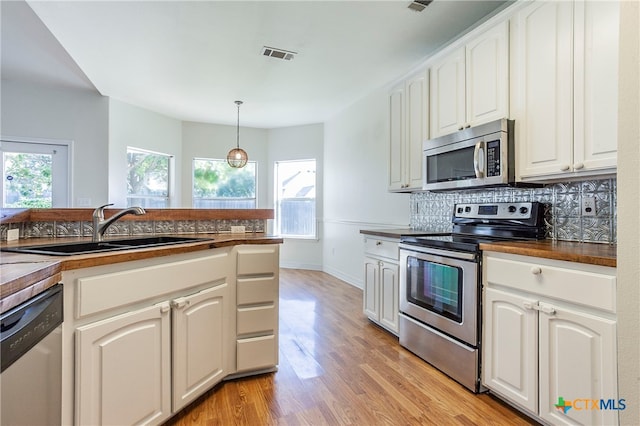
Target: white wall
<point x="355" y="182"/>
<point x="628" y="290"/>
<point x="203" y="140"/>
<point x="81" y="116"/>
<point x="130" y="126"/>
<point x="299" y="143"/>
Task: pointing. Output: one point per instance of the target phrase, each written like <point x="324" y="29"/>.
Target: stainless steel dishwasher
<point x="31" y="361"/>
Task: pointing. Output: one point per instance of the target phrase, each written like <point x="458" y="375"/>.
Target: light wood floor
<point x="337" y="368"/>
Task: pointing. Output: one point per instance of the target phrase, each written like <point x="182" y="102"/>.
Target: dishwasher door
<point x="31" y="361"/>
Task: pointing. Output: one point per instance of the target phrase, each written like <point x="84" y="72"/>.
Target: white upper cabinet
<point x="564" y="93"/>
<point x="470" y="85"/>
<point x="408" y="128"/>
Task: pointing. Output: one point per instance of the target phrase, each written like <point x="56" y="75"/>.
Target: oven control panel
<point x="519" y="210"/>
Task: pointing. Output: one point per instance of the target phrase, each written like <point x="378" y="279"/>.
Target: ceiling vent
<point x="419" y="5"/>
<point x="278" y="53"/>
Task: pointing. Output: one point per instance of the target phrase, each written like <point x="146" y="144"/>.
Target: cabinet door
<point x="389" y="304"/>
<point x="542" y="88"/>
<point x="371" y="285"/>
<point x="510" y="349"/>
<point x="123" y="369"/>
<point x="577" y="362"/>
<point x="396" y="138"/>
<point x="487" y="76"/>
<point x="596" y="85"/>
<point x="417" y="93"/>
<point x="199" y="329"/>
<point x="447" y="94"/>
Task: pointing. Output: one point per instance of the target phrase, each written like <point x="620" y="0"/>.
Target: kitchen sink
<point x="68" y="249"/>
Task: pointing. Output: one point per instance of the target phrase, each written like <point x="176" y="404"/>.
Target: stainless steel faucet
<point x="100" y="225"/>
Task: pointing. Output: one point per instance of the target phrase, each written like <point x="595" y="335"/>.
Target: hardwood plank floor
<point x="338" y="368"/>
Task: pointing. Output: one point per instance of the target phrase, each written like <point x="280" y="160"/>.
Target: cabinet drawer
<point x="382" y="247"/>
<point x="258" y="259"/>
<point x="256" y="353"/>
<point x="257" y="319"/>
<point x="257" y="290"/>
<point x="104" y="291"/>
<point x="589" y="285"/>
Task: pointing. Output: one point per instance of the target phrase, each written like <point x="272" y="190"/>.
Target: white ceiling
<point x="192" y="59"/>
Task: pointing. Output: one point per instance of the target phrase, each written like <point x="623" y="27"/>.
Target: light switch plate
<point x="13" y="234"/>
<point x="237" y="229"/>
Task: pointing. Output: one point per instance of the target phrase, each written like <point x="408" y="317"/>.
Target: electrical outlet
<point x="13" y="234"/>
<point x="237" y="229"/>
<point x="588" y="206"/>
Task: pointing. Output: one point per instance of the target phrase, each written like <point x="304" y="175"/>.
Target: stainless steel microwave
<point x="475" y="157"/>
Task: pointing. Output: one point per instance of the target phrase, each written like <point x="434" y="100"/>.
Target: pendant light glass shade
<point x="237" y="157"/>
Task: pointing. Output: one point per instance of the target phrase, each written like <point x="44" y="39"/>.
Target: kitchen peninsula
<point x="138" y="322"/>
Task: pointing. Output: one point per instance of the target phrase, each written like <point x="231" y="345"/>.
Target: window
<point x="216" y="185"/>
<point x="295" y="185"/>
<point x="34" y="174"/>
<point x="147" y="178"/>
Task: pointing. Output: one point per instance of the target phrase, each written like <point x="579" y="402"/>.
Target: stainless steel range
<point x="440" y="284"/>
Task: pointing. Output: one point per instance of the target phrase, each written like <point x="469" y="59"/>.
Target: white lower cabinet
<point x="123" y="369"/>
<point x="381" y="281"/>
<point x="199" y="335"/>
<point x="257" y="293"/>
<point x="549" y="333"/>
<point x="150" y="336"/>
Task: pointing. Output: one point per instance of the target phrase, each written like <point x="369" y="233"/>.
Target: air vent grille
<point x="419" y="5"/>
<point x="285" y="55"/>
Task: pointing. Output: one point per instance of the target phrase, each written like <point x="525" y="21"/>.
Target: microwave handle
<point x="478" y="159"/>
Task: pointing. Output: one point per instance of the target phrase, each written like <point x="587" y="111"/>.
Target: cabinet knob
<point x="578" y="166"/>
<point x="467" y="125"/>
<point x="461" y="127"/>
<point x="529" y="305"/>
<point x="536" y="270"/>
<point x="378" y="243"/>
<point x="565" y="167"/>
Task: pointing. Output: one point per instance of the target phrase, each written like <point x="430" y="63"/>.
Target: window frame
<point x="170" y="172"/>
<point x="277" y="200"/>
<point x="222" y="160"/>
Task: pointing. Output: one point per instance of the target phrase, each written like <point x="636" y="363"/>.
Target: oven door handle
<point x="478" y="159"/>
<point x="437" y="252"/>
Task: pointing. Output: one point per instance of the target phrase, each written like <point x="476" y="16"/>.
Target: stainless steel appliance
<point x="31" y="361"/>
<point x="474" y="157"/>
<point x="440" y="284"/>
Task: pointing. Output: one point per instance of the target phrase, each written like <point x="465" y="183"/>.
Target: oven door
<point x="440" y="288"/>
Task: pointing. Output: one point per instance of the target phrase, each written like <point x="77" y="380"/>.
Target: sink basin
<point x="68" y="249"/>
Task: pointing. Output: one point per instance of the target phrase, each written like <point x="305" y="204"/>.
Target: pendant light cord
<point x="238" y="125"/>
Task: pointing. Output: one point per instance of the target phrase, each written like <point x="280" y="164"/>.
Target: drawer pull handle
<point x="536" y="270"/>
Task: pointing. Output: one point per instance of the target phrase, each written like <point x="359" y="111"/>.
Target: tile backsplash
<point x="431" y="211"/>
<point x="64" y="229"/>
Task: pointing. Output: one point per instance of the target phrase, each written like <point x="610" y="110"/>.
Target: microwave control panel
<point x="493" y="158"/>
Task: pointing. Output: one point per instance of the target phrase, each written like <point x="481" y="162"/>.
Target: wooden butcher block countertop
<point x="23" y="276"/>
<point x="590" y="253"/>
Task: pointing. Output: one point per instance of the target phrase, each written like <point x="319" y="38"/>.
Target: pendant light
<point x="237" y="157"/>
